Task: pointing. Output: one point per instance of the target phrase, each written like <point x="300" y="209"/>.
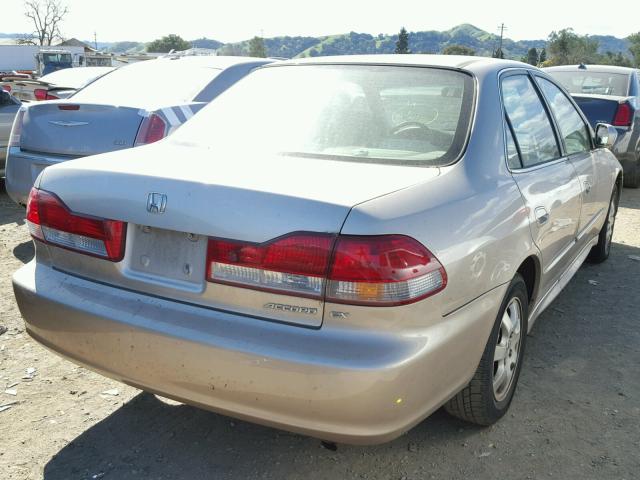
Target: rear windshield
<point x="596" y="83"/>
<point x="381" y="114"/>
<point x="149" y="83"/>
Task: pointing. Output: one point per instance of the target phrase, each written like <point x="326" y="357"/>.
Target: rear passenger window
<point x="530" y="122"/>
<point x="513" y="158"/>
<point x="572" y="128"/>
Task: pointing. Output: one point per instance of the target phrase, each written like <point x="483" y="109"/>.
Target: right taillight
<point x="16" y="130"/>
<point x="51" y="221"/>
<point x="152" y="129"/>
<point x="383" y="270"/>
<point x="379" y="270"/>
<point x="624" y="115"/>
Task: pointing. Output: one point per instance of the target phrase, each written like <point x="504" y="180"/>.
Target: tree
<point x="168" y="43"/>
<point x="257" y="48"/>
<point x="532" y="57"/>
<point x="543" y="56"/>
<point x="458" y="50"/>
<point x="566" y="47"/>
<point x="634" y="47"/>
<point x="46" y="17"/>
<point x="402" y="44"/>
<point x="617" y="59"/>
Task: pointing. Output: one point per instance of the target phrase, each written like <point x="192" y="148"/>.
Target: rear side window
<point x="513" y="157"/>
<point x="572" y="128"/>
<point x="530" y="122"/>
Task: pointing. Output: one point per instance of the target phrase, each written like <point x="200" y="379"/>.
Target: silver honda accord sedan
<point x="347" y="245"/>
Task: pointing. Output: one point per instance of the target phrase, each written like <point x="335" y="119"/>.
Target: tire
<point x="600" y="252"/>
<point x="632" y="176"/>
<point x="488" y="396"/>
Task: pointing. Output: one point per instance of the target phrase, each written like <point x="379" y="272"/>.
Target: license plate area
<point x="167" y="257"/>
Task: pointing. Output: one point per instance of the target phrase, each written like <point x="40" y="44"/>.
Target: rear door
<point x="577" y="146"/>
<point x="547" y="180"/>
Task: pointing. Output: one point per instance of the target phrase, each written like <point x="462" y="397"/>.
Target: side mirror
<point x="606" y="135"/>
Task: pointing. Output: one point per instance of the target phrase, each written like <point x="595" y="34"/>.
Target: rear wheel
<point x="600" y="252"/>
<point x="632" y="176"/>
<point x="488" y="396"/>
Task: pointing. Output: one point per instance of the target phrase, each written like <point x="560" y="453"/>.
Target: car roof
<point x="463" y="62"/>
<point x="210" y="61"/>
<point x="591" y="68"/>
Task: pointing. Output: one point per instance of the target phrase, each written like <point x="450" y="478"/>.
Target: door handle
<point x="587" y="187"/>
<point x="542" y="216"/>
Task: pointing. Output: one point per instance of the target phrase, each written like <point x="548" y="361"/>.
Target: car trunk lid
<point x="246" y="199"/>
<point x="79" y="129"/>
<point x="599" y="108"/>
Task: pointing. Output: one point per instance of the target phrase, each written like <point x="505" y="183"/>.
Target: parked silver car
<point x="349" y="243"/>
<point x="9" y="106"/>
<point x="134" y="105"/>
<point x="59" y="84"/>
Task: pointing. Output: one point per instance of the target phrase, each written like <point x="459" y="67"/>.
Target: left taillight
<point x="51" y="221"/>
<point x="43" y="94"/>
<point x="16" y="130"/>
<point x="6" y="88"/>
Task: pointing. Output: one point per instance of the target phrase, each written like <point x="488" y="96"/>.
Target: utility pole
<point x="498" y="53"/>
<point x="502" y="28"/>
<point x="95" y="40"/>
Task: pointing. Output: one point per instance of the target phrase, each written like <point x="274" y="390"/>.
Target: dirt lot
<point x="576" y="413"/>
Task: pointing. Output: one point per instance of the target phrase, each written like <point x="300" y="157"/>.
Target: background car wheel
<point x="632" y="176"/>
<point x="488" y="396"/>
<point x="600" y="252"/>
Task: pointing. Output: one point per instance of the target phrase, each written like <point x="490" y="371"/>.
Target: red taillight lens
<point x="40" y="94"/>
<point x="16" y="130"/>
<point x="383" y="270"/>
<point x="624" y="115"/>
<point x="43" y="94"/>
<point x="295" y="264"/>
<point x="51" y="221"/>
<point x="7" y="88"/>
<point x="360" y="270"/>
<point x="152" y="129"/>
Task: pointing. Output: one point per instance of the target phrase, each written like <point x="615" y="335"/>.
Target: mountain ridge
<point x="425" y="41"/>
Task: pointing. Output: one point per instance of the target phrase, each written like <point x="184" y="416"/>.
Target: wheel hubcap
<point x="507" y="352"/>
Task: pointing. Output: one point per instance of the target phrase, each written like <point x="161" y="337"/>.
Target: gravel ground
<point x="576" y="413"/>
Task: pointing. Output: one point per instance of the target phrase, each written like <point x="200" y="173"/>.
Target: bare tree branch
<point x="46" y="17"/>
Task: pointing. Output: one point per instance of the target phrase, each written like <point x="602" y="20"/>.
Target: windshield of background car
<point x="149" y="83"/>
<point x="596" y="83"/>
<point x="381" y="114"/>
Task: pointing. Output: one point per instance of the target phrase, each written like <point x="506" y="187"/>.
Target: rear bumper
<point x="335" y="384"/>
<point x="22" y="170"/>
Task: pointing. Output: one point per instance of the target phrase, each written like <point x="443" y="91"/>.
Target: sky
<point x="235" y="20"/>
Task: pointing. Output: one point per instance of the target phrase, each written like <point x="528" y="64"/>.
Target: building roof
<point x="74" y="42"/>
